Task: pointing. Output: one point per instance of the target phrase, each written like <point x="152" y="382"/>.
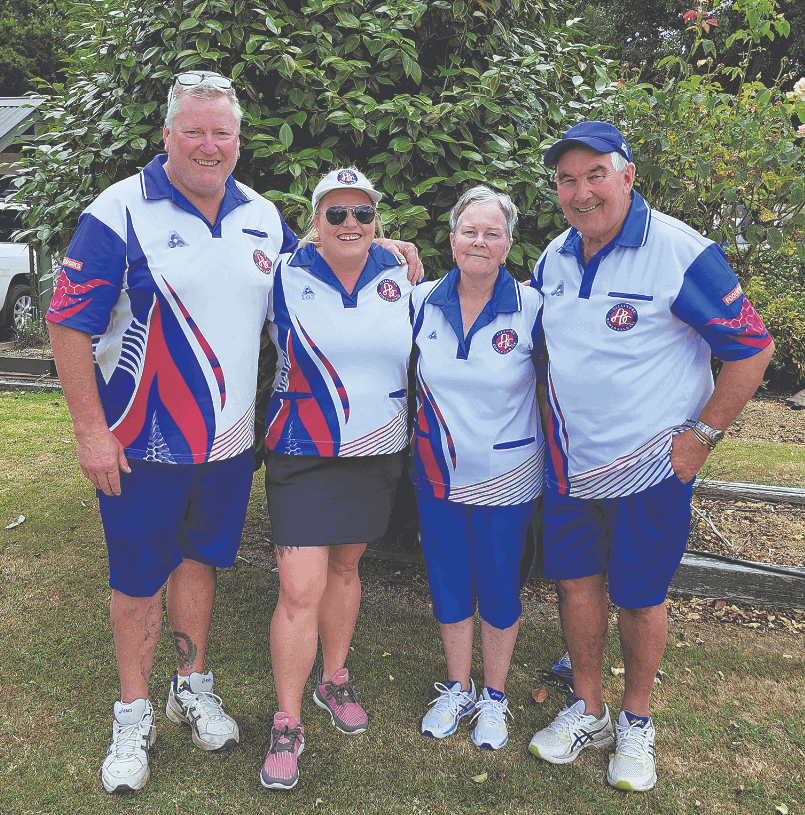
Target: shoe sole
<point x="432" y="735"/>
<point x="485" y="745"/>
<point x="279" y="785"/>
<point x="127" y="787"/>
<point x="627" y="787"/>
<point x="534" y="750"/>
<point x="177" y="718"/>
<point x="324" y="706"/>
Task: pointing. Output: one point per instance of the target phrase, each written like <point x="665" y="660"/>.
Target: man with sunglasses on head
<point x="155" y="326"/>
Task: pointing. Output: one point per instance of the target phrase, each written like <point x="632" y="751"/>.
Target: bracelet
<point x="702" y="438"/>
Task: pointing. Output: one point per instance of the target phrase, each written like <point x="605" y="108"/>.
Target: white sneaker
<point x="633" y="767"/>
<point x="449" y="707"/>
<point x="125" y="767"/>
<point x="491" y="732"/>
<point x="570" y="732"/>
<point x="196" y="705"/>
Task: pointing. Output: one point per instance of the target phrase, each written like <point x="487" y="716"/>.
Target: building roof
<point x="17" y="113"/>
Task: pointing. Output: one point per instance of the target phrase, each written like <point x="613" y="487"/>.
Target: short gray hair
<point x="480" y="195"/>
<point x="619" y="162"/>
<point x="203" y="90"/>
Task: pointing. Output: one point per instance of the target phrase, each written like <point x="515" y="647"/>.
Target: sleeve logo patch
<point x="505" y="340"/>
<point x="733" y="295"/>
<point x="73" y="264"/>
<point x="622" y="317"/>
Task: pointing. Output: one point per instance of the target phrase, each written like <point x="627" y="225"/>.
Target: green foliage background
<point x="29" y="44"/>
<point x="427" y="97"/>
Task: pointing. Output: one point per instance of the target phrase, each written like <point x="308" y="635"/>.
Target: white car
<point x="15" y="269"/>
<point x="16" y="301"/>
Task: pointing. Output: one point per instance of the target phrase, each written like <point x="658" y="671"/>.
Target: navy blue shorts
<point x="168" y="512"/>
<point x="638" y="540"/>
<point x="473" y="551"/>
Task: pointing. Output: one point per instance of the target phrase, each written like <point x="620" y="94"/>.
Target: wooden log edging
<point x="736" y="491"/>
<point x="706" y="575"/>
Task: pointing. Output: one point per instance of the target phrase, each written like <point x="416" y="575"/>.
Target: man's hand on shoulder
<point x="688" y="455"/>
<point x="408" y="253"/>
<point x="101" y="458"/>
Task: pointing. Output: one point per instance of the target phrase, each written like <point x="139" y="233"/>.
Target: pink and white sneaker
<point x="339" y="699"/>
<point x="287" y="742"/>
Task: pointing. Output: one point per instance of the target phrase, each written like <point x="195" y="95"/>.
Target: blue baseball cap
<point x="598" y="136"/>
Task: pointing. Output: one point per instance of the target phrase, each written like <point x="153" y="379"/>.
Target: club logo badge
<point x="262" y="261"/>
<point x="389" y="291"/>
<point x="504" y="341"/>
<point x="347" y="177"/>
<point x="622" y="317"/>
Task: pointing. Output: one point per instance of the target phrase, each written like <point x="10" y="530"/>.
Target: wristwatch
<point x="707" y="435"/>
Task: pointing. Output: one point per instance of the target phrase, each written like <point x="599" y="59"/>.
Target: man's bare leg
<point x="583" y="611"/>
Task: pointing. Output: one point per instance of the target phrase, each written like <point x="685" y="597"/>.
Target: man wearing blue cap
<point x="635" y="303"/>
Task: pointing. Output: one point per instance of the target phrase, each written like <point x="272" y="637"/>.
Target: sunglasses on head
<point x="362" y="213"/>
<point x="190" y="78"/>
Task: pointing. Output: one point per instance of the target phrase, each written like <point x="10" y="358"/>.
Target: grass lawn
<point x="758" y="462"/>
<point x="729" y="711"/>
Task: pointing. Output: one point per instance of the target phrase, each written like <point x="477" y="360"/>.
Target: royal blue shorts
<point x="473" y="551"/>
<point x="638" y="540"/>
<point x="168" y="512"/>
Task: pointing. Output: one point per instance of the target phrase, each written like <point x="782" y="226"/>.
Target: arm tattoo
<point x="186" y="650"/>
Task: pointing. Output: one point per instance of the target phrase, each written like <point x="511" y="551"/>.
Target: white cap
<point x="345" y="179"/>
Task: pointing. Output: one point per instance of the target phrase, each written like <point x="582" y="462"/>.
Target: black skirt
<point x="318" y="501"/>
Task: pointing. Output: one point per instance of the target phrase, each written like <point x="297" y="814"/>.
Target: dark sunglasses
<point x="362" y="213"/>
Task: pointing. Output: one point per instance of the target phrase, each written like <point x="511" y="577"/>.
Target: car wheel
<point x="20" y="306"/>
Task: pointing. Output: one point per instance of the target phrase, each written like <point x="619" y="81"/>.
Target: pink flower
<point x="689" y="15"/>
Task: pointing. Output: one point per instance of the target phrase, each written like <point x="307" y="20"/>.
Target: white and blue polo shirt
<point x="478" y="437"/>
<point x="341" y="386"/>
<point x="175" y="306"/>
<point x="629" y="338"/>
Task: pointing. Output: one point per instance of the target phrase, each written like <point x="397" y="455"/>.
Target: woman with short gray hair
<point x="478" y="456"/>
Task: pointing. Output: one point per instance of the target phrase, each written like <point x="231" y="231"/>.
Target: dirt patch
<point x="749" y="530"/>
<point x="768" y="418"/>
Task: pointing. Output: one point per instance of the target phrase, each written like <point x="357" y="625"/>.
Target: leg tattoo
<point x="186" y="650"/>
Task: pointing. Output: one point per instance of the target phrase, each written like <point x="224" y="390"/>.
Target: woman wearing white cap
<point x="336" y="435"/>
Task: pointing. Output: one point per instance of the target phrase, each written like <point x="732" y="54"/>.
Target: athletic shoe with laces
<point x="491" y="709"/>
<point x="633" y="767"/>
<point x="449" y="708"/>
<point x="280" y="770"/>
<point x="570" y="732"/>
<point x="125" y="767"/>
<point x="339" y="699"/>
<point x="193" y="703"/>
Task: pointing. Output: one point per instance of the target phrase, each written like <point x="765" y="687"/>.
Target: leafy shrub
<point x="428" y="97"/>
<point x="729" y="164"/>
<point x="777" y="290"/>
